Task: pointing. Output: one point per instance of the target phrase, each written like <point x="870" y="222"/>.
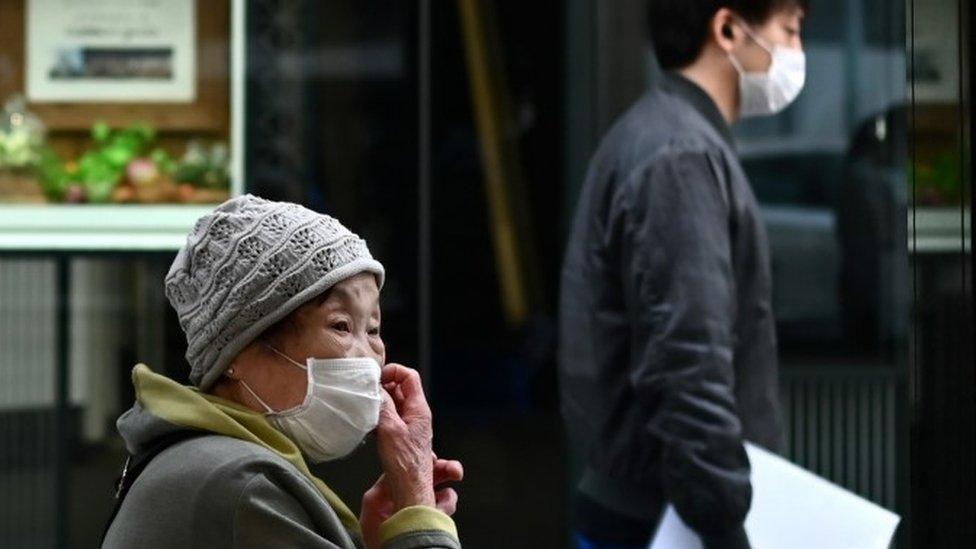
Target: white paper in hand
<point x="794" y="508"/>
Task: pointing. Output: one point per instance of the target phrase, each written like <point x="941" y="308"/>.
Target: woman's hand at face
<point x="403" y="438"/>
<point x="411" y="471"/>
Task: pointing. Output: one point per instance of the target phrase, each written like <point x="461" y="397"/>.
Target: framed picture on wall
<point x="935" y="59"/>
<point x="110" y="51"/>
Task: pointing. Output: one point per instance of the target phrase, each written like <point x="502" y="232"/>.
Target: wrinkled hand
<point x="378" y="504"/>
<point x="403" y="438"/>
<point x="411" y="471"/>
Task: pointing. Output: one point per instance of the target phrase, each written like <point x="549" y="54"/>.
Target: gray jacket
<point x="668" y="350"/>
<point x="220" y="491"/>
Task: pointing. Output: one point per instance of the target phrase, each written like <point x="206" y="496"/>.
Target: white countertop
<point x="72" y="227"/>
<point x="940" y="230"/>
<point x="103" y="228"/>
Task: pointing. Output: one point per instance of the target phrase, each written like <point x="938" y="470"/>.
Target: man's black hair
<point x="678" y="28"/>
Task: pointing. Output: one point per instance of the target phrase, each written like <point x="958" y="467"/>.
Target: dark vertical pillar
<point x="424" y="212"/>
<point x="944" y="368"/>
<point x="62" y="444"/>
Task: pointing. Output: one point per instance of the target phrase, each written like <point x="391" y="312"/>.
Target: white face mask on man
<point x="764" y="93"/>
<point x="341" y="406"/>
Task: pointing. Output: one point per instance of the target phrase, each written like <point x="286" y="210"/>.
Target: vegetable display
<point x="120" y="166"/>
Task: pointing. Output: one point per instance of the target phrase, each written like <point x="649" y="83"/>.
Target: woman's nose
<point x="362" y="349"/>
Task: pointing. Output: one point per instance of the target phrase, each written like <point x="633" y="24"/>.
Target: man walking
<point x="668" y="351"/>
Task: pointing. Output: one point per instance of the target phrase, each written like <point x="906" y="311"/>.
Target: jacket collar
<point x="170" y="405"/>
<point x="677" y="84"/>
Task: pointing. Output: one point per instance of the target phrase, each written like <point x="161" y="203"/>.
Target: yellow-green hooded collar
<point x="188" y="407"/>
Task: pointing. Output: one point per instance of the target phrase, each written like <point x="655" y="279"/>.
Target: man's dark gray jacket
<point x="668" y="350"/>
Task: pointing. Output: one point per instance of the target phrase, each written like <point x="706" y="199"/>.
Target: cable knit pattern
<point x="249" y="263"/>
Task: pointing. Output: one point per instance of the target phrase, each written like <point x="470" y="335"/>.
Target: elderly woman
<point x="280" y="306"/>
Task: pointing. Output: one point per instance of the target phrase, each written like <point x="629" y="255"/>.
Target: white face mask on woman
<point x="763" y="93"/>
<point x="341" y="406"/>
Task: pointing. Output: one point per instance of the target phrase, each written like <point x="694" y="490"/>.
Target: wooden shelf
<point x="936" y="119"/>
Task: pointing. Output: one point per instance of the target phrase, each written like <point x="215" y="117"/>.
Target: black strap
<point x="134" y="465"/>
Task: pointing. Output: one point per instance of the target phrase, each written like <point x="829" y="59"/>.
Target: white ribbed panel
<point x="100" y="292"/>
<point x="27" y="367"/>
<point x="27" y="333"/>
<point x="842" y="426"/>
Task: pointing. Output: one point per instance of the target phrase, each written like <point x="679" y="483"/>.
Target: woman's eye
<point x="341" y="326"/>
<point x="374" y="331"/>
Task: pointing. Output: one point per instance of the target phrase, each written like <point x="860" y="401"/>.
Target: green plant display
<point x="22" y="136"/>
<point x="118" y="169"/>
<point x="938" y="180"/>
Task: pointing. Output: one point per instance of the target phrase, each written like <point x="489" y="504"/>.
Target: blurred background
<point x="454" y="137"/>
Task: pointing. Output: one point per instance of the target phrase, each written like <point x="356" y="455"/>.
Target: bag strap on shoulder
<point x="135" y="464"/>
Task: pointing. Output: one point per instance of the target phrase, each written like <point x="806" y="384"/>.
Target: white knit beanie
<point x="247" y="265"/>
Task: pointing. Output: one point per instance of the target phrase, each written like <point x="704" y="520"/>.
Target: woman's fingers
<point x="446" y="500"/>
<point x="398" y="373"/>
<point x="409" y="392"/>
<point x="377" y="498"/>
<point x="394" y="391"/>
<point x="404" y="438"/>
<point x="447" y="470"/>
<point x="388" y="411"/>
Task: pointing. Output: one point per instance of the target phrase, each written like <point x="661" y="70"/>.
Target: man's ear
<point x="723" y="30"/>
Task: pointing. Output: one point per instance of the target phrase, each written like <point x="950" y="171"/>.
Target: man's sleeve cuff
<point x="418" y="518"/>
